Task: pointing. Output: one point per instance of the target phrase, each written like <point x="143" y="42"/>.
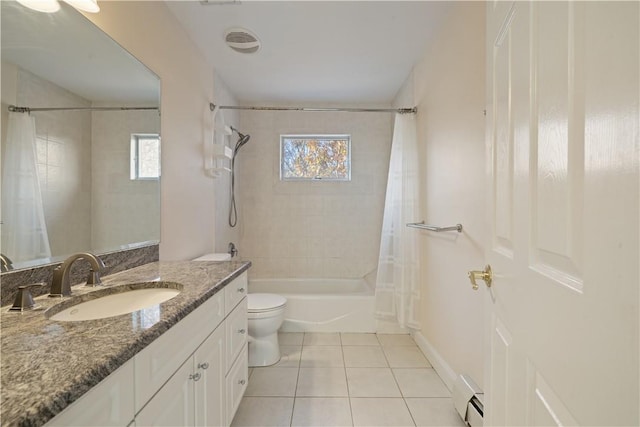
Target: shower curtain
<point x="24" y="232"/>
<point x="397" y="283"/>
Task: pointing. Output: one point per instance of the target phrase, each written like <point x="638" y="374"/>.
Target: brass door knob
<point x="486" y="275"/>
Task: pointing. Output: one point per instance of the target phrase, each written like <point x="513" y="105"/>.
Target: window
<point x="315" y="157"/>
<point x="145" y="156"/>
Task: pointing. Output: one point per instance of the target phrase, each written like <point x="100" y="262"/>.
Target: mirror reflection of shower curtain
<point x="24" y="232"/>
<point x="397" y="284"/>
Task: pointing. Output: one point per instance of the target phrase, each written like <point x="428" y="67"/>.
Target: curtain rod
<point x="16" y="109"/>
<point x="350" y="110"/>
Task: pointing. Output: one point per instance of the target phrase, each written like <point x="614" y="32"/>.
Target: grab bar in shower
<point x="421" y="225"/>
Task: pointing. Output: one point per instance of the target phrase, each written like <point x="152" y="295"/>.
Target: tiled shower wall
<point x="123" y="210"/>
<point x="315" y="229"/>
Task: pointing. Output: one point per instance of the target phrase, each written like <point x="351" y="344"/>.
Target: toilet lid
<point x="264" y="302"/>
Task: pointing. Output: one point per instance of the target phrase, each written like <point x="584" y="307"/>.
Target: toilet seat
<point x="262" y="303"/>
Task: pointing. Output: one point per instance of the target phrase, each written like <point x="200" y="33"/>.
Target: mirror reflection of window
<point x="145" y="156"/>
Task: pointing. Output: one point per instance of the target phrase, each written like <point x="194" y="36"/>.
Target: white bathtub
<point x="322" y="305"/>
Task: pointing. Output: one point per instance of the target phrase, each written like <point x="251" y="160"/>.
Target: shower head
<point x="243" y="139"/>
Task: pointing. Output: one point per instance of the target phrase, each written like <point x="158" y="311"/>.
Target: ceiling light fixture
<point x="90" y="6"/>
<point x="47" y="6"/>
<point x="51" y="6"/>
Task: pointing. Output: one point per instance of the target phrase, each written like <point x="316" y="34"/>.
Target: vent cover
<point x="242" y="40"/>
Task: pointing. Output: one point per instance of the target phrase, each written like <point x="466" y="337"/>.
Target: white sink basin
<point x="113" y="304"/>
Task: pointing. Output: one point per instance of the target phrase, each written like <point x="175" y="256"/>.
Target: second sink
<point x="113" y="301"/>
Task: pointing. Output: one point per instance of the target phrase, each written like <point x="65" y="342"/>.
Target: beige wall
<point x="312" y="229"/>
<point x="150" y="32"/>
<point x="448" y="88"/>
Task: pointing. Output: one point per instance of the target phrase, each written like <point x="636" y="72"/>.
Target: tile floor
<point x="332" y="379"/>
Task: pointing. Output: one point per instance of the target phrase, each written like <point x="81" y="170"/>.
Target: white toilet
<point x="266" y="314"/>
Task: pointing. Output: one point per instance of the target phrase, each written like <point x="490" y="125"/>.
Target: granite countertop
<point x="46" y="365"/>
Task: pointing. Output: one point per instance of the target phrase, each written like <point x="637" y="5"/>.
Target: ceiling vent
<point x="242" y="40"/>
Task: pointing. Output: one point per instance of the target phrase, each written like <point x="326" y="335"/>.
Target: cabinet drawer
<point x="234" y="292"/>
<point x="236" y="331"/>
<point x="158" y="361"/>
<point x="237" y="380"/>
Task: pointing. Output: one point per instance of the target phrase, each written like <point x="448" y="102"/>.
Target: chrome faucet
<point x="61" y="284"/>
<point x="232" y="250"/>
<point x="5" y="263"/>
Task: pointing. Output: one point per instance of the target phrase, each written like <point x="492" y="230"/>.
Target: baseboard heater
<point x="468" y="400"/>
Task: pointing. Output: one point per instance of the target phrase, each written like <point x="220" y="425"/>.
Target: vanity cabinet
<point x="194" y="374"/>
<point x="110" y="403"/>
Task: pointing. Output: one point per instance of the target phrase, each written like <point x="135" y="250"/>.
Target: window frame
<point x="315" y="136"/>
<point x="134" y="156"/>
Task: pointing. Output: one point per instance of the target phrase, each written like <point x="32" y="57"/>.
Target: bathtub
<point x="322" y="305"/>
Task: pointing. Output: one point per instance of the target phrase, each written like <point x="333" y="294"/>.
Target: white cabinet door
<point x="110" y="403"/>
<point x="174" y="404"/>
<point x="160" y="359"/>
<point x="562" y="312"/>
<point x="209" y="361"/>
<point x="237" y="381"/>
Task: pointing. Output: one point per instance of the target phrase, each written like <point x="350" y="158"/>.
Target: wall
<point x="448" y="88"/>
<point x="123" y="210"/>
<point x="312" y="229"/>
<point x="63" y="149"/>
<point x="150" y="32"/>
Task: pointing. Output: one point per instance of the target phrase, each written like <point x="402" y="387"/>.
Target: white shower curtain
<point x="397" y="284"/>
<point x="24" y="232"/>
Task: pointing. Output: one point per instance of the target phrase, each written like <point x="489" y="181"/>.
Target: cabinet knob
<point x="241" y="290"/>
<point x="241" y="331"/>
<point x="204" y="365"/>
<point x="195" y="376"/>
<point x="242" y="382"/>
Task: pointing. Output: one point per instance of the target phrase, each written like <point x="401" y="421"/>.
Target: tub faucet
<point x="232" y="250"/>
<point x="61" y="284"/>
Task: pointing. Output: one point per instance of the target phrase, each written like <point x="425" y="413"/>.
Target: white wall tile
<point x="312" y="229"/>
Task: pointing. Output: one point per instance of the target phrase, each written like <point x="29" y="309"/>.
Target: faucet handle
<point x="94" y="278"/>
<point x="24" y="299"/>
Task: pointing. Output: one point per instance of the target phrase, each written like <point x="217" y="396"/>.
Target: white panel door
<point x="209" y="360"/>
<point x="174" y="404"/>
<point x="563" y="176"/>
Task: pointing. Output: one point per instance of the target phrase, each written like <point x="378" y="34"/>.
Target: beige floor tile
<point x="372" y="382"/>
<point x="290" y="338"/>
<point x="272" y="382"/>
<point x="388" y="340"/>
<point x="322" y="382"/>
<point x="264" y="412"/>
<point x="311" y="338"/>
<point x="372" y="412"/>
<point x="406" y="357"/>
<point x="421" y="382"/>
<point x="319" y="356"/>
<point x="289" y="356"/>
<point x="321" y="411"/>
<point x="359" y="339"/>
<point x="364" y="357"/>
<point x="434" y="412"/>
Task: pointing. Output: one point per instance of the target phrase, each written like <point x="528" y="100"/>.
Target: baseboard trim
<point x="446" y="373"/>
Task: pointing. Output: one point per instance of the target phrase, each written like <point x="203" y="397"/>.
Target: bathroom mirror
<point x="94" y="169"/>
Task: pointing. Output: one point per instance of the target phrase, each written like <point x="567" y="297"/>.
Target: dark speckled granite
<point x="46" y="365"/>
<point x="114" y="262"/>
